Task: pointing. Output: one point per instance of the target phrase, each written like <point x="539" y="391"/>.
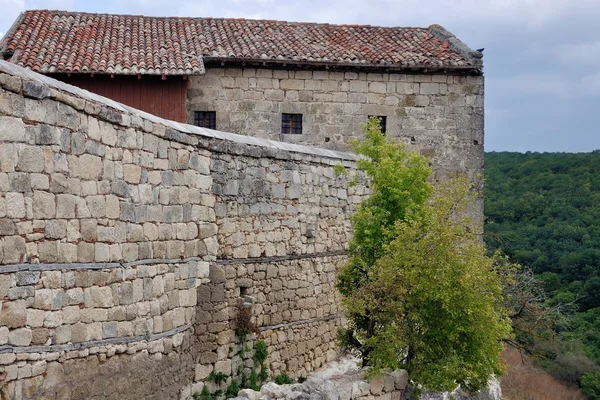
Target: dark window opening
<point x="205" y="119"/>
<point x="291" y="124"/>
<point x="382" y="122"/>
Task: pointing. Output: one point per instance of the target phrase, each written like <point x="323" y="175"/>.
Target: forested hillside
<point x="543" y="211"/>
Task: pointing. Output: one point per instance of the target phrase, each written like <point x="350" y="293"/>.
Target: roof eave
<point x="423" y="68"/>
<point x="4" y="40"/>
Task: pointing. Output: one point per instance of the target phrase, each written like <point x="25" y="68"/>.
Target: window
<point x="205" y="119"/>
<point x="291" y="124"/>
<point x="382" y="122"/>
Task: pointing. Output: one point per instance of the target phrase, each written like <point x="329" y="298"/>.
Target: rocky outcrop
<point x="344" y="380"/>
<point x="340" y="380"/>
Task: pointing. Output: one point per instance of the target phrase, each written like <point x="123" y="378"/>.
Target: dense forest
<point x="543" y="211"/>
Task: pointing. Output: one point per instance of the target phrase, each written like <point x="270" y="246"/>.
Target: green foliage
<point x="301" y="379"/>
<point x="217" y="377"/>
<point x="253" y="381"/>
<point x="260" y="352"/>
<point x="232" y="389"/>
<point x="398" y="180"/>
<point x="340" y="170"/>
<point x="263" y="375"/>
<point x="283" y="379"/>
<point x="204" y="395"/>
<point x="419" y="290"/>
<point x="591" y="385"/>
<point x="543" y="210"/>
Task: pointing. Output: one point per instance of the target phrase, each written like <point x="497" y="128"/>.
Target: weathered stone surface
<point x="35" y="90"/>
<point x="20" y="337"/>
<point x="13" y="314"/>
<point x="31" y="159"/>
<point x="25" y="278"/>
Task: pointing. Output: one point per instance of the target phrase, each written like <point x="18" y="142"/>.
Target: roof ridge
<point x="230" y="19"/>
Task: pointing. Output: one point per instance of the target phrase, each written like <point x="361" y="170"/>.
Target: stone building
<point x="307" y="83"/>
<point x="129" y="243"/>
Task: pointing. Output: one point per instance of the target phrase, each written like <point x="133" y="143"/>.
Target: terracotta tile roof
<point x="59" y="41"/>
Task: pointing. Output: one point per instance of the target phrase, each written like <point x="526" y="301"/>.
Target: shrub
<point x="283" y="379"/>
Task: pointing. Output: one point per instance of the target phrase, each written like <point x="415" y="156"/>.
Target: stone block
<point x="20" y="182"/>
<point x="93" y="167"/>
<point x="4" y="335"/>
<point x="65" y="206"/>
<point x="14" y="249"/>
<point x="79" y="333"/>
<point x="15" y="205"/>
<point x="22" y="292"/>
<point x="97" y="296"/>
<point x="52" y="279"/>
<point x="31" y="159"/>
<point x="12" y="129"/>
<point x="132" y="173"/>
<point x="13" y="314"/>
<point x="44" y="205"/>
<point x="56" y="229"/>
<point x="35" y="90"/>
<point x="6" y="281"/>
<point x="109" y="329"/>
<point x="85" y="252"/>
<point x="63" y="334"/>
<point x="48" y="251"/>
<point x="223" y="366"/>
<point x="20" y="337"/>
<point x="75" y="296"/>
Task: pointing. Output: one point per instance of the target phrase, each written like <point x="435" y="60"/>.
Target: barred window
<point x="291" y="124"/>
<point x="205" y="119"/>
<point x="382" y="122"/>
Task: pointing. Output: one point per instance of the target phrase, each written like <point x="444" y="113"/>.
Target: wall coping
<point x="180" y="128"/>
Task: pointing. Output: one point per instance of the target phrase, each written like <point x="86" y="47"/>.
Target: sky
<point x="541" y="58"/>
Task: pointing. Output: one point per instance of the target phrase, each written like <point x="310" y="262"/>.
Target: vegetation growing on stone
<point x="419" y="290"/>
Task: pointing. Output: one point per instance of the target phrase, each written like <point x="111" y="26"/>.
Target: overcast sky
<point x="542" y="57"/>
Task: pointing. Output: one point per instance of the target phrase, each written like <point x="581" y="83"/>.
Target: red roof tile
<point x="59" y="41"/>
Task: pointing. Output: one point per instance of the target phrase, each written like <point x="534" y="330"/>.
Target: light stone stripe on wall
<point x="303" y="322"/>
<point x="93" y="343"/>
<point x="262" y="260"/>
<point x="91" y="266"/>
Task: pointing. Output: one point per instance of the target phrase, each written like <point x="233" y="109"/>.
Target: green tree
<point x="419" y="290"/>
<point x="591" y="385"/>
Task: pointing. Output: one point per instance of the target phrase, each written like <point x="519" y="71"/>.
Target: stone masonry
<point x="128" y="243"/>
<point x="439" y="114"/>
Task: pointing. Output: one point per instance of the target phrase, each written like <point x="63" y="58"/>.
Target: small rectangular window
<point x="382" y="122"/>
<point x="291" y="124"/>
<point x="205" y="119"/>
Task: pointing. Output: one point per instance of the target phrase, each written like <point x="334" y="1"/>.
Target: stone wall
<point x="128" y="243"/>
<point x="440" y="115"/>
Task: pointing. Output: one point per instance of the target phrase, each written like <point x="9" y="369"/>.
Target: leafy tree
<point x="398" y="181"/>
<point x="419" y="290"/>
<point x="591" y="385"/>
